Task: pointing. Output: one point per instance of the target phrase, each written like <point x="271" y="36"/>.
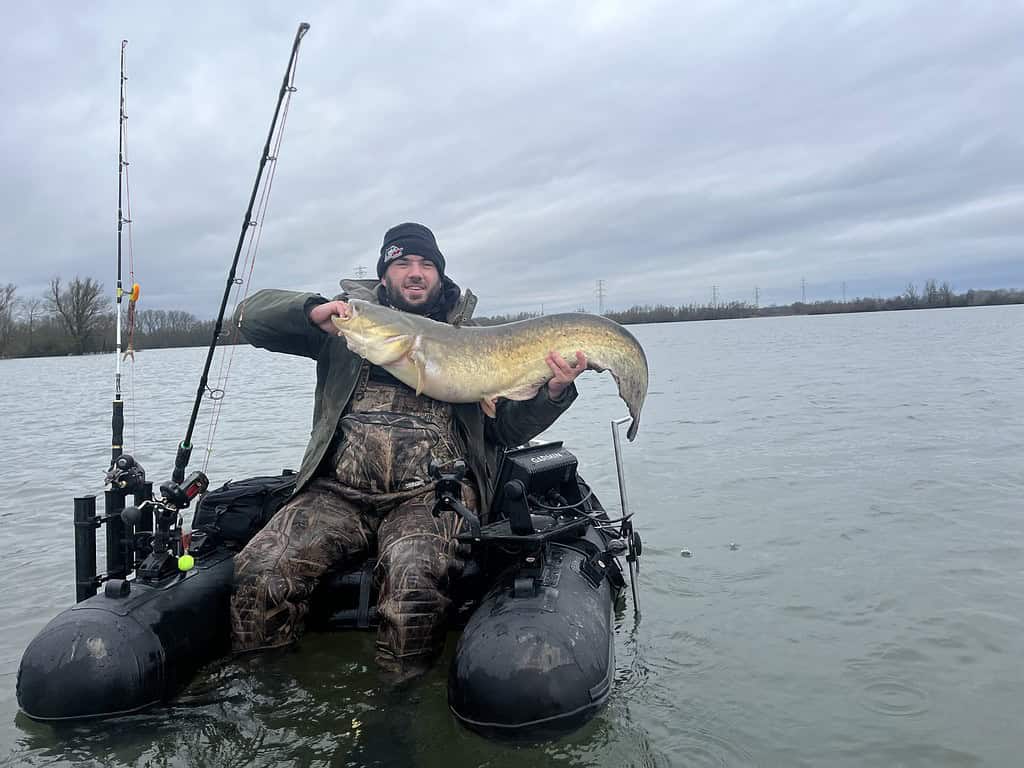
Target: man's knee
<point x="259" y="557"/>
<point x="415" y="561"/>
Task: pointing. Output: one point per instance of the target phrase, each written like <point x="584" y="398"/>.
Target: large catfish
<point x="481" y="364"/>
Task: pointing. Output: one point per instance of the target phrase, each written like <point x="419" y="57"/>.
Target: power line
<point x="600" y="292"/>
<point x="714" y="296"/>
<point x="757" y="297"/>
<point x="803" y="290"/>
<point x="360" y="271"/>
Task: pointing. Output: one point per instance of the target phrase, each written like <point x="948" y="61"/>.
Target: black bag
<point x="235" y="512"/>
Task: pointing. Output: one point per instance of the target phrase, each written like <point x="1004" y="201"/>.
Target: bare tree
<point x="29" y="312"/>
<point x="946" y="292"/>
<point x="7" y="303"/>
<point x="180" y="322"/>
<point x="150" y="321"/>
<point x="911" y="295"/>
<point x="80" y="308"/>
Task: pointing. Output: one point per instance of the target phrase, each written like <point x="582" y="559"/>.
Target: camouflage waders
<point x="377" y="498"/>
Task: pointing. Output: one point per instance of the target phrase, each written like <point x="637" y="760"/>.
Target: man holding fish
<point x="388" y="402"/>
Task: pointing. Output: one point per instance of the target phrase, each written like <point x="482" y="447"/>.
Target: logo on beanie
<point x="392" y="253"/>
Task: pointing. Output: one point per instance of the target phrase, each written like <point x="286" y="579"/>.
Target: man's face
<point x="413" y="283"/>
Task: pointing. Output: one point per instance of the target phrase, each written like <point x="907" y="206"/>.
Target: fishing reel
<point x="126" y="475"/>
<point x="168" y="554"/>
<point x="180" y="496"/>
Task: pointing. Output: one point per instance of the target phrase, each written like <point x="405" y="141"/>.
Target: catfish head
<point x="381" y="335"/>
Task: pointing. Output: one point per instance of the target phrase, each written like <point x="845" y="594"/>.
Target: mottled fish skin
<point x="480" y="364"/>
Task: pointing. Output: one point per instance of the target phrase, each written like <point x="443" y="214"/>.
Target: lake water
<point x="850" y="488"/>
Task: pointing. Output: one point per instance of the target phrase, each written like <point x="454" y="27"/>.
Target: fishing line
<point x="131" y="404"/>
<point x="216" y="394"/>
<point x="117" y="441"/>
<point x="241" y="289"/>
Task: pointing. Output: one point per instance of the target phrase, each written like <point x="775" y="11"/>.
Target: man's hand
<point x="564" y="373"/>
<point x="321" y="315"/>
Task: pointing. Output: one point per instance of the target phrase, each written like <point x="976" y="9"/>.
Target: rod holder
<point x="118" y="537"/>
<point x="86" y="524"/>
<point x="145" y="494"/>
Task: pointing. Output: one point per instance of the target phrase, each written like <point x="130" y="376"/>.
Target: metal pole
<point x="618" y="463"/>
<point x="625" y="504"/>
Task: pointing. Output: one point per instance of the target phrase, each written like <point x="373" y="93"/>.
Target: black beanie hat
<point x="409" y="240"/>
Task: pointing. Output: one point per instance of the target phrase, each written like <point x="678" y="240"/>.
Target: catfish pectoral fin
<point x="490" y="406"/>
<point x="419" y="378"/>
<point x="417" y="359"/>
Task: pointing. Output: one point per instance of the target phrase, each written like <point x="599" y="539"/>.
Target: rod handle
<point x="181" y="461"/>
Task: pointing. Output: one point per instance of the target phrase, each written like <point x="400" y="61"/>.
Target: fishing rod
<point x="117" y="418"/>
<point x="124" y="476"/>
<point x="185" y="446"/>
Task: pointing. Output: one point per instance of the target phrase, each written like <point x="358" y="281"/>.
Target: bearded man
<point x="364" y="485"/>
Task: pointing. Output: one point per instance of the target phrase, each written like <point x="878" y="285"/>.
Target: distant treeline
<point x="78" y="318"/>
<point x="933" y="296"/>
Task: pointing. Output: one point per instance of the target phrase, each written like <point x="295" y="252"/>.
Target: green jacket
<point x="279" y="321"/>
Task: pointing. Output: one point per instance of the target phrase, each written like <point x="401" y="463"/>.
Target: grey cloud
<point x="660" y="147"/>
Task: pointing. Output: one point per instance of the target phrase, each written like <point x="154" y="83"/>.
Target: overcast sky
<point x="662" y="147"/>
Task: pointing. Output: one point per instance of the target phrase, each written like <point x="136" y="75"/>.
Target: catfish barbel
<point x="483" y="363"/>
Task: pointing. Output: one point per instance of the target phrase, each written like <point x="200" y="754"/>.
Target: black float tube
<point x="185" y="446"/>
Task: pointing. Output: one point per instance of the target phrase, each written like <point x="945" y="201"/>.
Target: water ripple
<point x="893" y="697"/>
<point x="702" y="747"/>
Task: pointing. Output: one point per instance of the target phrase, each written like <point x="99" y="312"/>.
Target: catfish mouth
<point x="339" y="319"/>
